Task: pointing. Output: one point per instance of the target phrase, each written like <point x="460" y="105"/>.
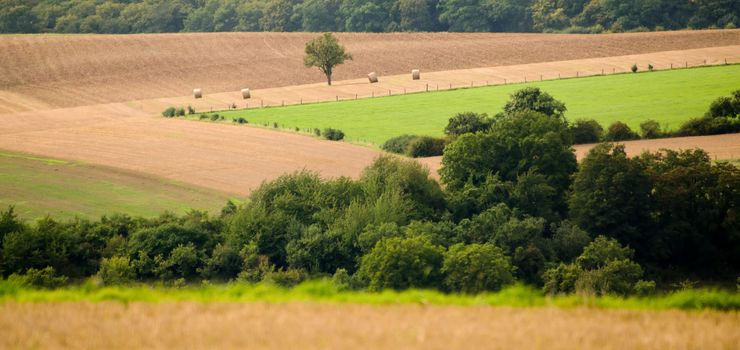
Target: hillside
<point x="42" y="71"/>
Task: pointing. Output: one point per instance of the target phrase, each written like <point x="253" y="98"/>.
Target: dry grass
<point x="111" y="325"/>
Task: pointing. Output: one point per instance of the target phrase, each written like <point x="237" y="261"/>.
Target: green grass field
<point x="325" y="291"/>
<point x="39" y="186"/>
<point x="671" y="97"/>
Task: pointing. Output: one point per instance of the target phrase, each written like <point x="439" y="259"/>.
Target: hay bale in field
<point x="372" y="77"/>
<point x="246" y="94"/>
<point x="197" y="93"/>
<point x="415" y="74"/>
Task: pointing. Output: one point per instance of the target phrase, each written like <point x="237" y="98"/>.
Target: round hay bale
<point x="415" y="74"/>
<point x="372" y="77"/>
<point x="197" y="93"/>
<point x="246" y="94"/>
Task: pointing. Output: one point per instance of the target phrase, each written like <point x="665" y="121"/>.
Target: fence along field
<point x="670" y="97"/>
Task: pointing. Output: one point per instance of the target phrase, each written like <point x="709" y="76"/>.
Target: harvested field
<point x="76" y="70"/>
<point x="94" y="98"/>
<point x="112" y="325"/>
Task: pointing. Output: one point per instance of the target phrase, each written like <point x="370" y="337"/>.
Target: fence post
<point x="404" y="91"/>
<point x="427" y="87"/>
<point x="525" y="78"/>
<point x="671" y="65"/>
<point x="301" y="100"/>
<point x="389" y="92"/>
<point x="337" y="97"/>
<point x="471" y="84"/>
<point x="602" y="71"/>
<point x="540" y="77"/>
<point x="578" y="74"/>
<point x="504" y="81"/>
<point x="355" y="96"/>
<point x="687" y="64"/>
<point x="450" y="85"/>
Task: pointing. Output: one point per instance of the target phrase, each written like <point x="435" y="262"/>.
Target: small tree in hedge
<point x="619" y="131"/>
<point x="425" y="146"/>
<point x="634" y="68"/>
<point x="116" y="270"/>
<point x="401" y="263"/>
<point x="650" y="129"/>
<point x="586" y="131"/>
<point x="475" y="268"/>
<point x="333" y="134"/>
<point x="536" y="100"/>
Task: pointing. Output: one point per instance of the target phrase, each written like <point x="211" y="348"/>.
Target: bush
<point x="240" y="120"/>
<point x="191" y="110"/>
<point x="215" y="117"/>
<point x="725" y="106"/>
<point x="169" y="112"/>
<point x="619" y="131"/>
<point x="476" y="268"/>
<point x="317" y="131"/>
<point x="333" y="134"/>
<point x="709" y="126"/>
<point x="586" y="131"/>
<point x="399" y="144"/>
<point x="650" y="129"/>
<point x="468" y="122"/>
<point x="44" y="278"/>
<point x="426" y="146"/>
<point x="535" y="100"/>
<point x="116" y="271"/>
<point x="180" y="112"/>
<point x="650" y="67"/>
<point x="401" y="263"/>
<point x="285" y="278"/>
<point x="634" y="68"/>
<point x="203" y="116"/>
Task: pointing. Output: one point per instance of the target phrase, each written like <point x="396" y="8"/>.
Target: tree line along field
<point x="670" y="97"/>
<point x="37" y="187"/>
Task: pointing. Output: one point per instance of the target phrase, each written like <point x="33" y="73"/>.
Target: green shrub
<point x="286" y="278"/>
<point x="535" y="100"/>
<point x="476" y="268"/>
<point x="333" y="134"/>
<point x="240" y="120"/>
<point x="317" y="131"/>
<point x="44" y="278"/>
<point x="116" y="271"/>
<point x="650" y="129"/>
<point x="709" y="126"/>
<point x="650" y="67"/>
<point x="619" y="131"/>
<point x="180" y="112"/>
<point x="169" y="112"/>
<point x="586" y="131"/>
<point x="203" y="116"/>
<point x="401" y="263"/>
<point x="634" y="68"/>
<point x="191" y="110"/>
<point x="468" y="122"/>
<point x="399" y="144"/>
<point x="644" y="288"/>
<point x="215" y="117"/>
<point x="426" y="146"/>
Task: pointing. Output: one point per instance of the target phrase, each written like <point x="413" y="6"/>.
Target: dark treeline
<point x="159" y="16"/>
<point x="514" y="206"/>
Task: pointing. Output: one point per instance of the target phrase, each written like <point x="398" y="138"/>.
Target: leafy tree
<point x="116" y="271"/>
<point x="650" y="129"/>
<point x="468" y="122"/>
<point x="619" y="131"/>
<point x="536" y="100"/>
<point x="325" y="53"/>
<point x="364" y="16"/>
<point x="611" y="195"/>
<point x="318" y="15"/>
<point x="586" y="131"/>
<point x="401" y="263"/>
<point x="415" y="15"/>
<point x="463" y="15"/>
<point x="476" y="268"/>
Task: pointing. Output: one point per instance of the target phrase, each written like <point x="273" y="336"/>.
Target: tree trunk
<point x="328" y="78"/>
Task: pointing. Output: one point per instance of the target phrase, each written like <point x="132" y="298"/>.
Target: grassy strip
<point x="66" y="189"/>
<point x="670" y="97"/>
<point x="325" y="291"/>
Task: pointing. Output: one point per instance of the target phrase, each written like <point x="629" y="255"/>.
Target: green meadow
<point x="670" y="97"/>
<point x="325" y="291"/>
<point x="64" y="189"/>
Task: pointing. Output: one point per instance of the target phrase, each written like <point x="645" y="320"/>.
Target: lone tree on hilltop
<point x="325" y="53"/>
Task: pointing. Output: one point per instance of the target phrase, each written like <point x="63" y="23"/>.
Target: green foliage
<point x="45" y="278"/>
<point x="167" y="251"/>
<point x="619" y="131"/>
<point x="325" y="53"/>
<point x="169" y="112"/>
<point x="476" y="268"/>
<point x="333" y="134"/>
<point x="155" y="16"/>
<point x="426" y="146"/>
<point x="634" y="68"/>
<point x="611" y="195"/>
<point x="650" y="129"/>
<point x="604" y="267"/>
<point x="586" y="131"/>
<point x="399" y="144"/>
<point x="725" y="106"/>
<point x="709" y="126"/>
<point x="116" y="271"/>
<point x="468" y="122"/>
<point x="535" y="100"/>
<point x="401" y="263"/>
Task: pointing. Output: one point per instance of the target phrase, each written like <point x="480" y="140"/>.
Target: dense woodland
<point x="159" y="16"/>
<point x="513" y="206"/>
